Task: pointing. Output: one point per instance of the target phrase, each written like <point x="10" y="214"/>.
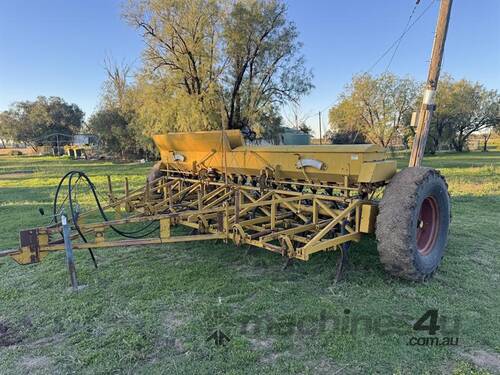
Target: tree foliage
<point x="463" y="108"/>
<point x="208" y="63"/>
<point x="264" y="66"/>
<point x="205" y="64"/>
<point x="441" y="127"/>
<point x="376" y="107"/>
<point x="114" y="133"/>
<point x="379" y="109"/>
<point x="31" y="121"/>
<point x="114" y="122"/>
<point x="345" y="137"/>
<point x="269" y="126"/>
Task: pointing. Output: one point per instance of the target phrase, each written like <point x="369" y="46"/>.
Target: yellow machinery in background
<point x="78" y="151"/>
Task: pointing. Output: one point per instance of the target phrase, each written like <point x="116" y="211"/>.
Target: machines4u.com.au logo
<point x="431" y="323"/>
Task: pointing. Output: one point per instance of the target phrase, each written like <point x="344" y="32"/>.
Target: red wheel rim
<point x="427" y="225"/>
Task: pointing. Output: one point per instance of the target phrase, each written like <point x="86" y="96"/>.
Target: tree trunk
<point x="433" y="145"/>
<point x="234" y="96"/>
<point x="485" y="143"/>
<point x="458" y="145"/>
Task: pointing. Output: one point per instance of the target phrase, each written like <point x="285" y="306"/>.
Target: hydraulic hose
<point x="135" y="234"/>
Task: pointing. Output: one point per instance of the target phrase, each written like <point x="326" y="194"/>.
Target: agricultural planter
<point x="292" y="200"/>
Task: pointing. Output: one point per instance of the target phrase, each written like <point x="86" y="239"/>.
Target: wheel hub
<point x="427" y="225"/>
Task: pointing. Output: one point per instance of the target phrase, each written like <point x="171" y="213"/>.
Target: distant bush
<point x="15" y="153"/>
<point x="345" y="137"/>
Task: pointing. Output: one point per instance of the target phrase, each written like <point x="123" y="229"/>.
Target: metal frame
<point x="295" y="224"/>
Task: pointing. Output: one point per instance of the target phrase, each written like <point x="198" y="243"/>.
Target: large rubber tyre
<point x="413" y="223"/>
<point x="155" y="172"/>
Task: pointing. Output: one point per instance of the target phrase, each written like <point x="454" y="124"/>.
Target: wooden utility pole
<point x="320" y="138"/>
<point x="428" y="103"/>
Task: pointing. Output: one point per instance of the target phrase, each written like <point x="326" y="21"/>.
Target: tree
<point x="486" y="137"/>
<point x="211" y="62"/>
<point x="115" y="122"/>
<point x="344" y="128"/>
<point x="264" y="65"/>
<point x="345" y="137"/>
<point x="374" y="106"/>
<point x="181" y="65"/>
<point x="115" y="91"/>
<point x="269" y="126"/>
<point x="467" y="108"/>
<point x="30" y="121"/>
<point x="440" y="129"/>
<point x="6" y="132"/>
<point x="113" y="131"/>
<point x="294" y="116"/>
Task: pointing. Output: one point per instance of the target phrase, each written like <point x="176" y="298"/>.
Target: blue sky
<point x="57" y="47"/>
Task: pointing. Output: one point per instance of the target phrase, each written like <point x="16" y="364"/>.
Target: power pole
<point x="428" y="103"/>
<point x="320" y="138"/>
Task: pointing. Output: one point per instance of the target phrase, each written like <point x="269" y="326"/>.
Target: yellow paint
<point x="165" y="228"/>
<point x="24" y="256"/>
<point x="377" y="171"/>
<point x="99" y="234"/>
<point x="368" y="216"/>
<point x="360" y="163"/>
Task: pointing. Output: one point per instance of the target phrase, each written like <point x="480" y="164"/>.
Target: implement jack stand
<point x="70" y="260"/>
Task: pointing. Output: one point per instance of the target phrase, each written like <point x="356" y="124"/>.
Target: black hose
<point x="103" y="214"/>
<point x="54" y="208"/>
<point x="74" y="218"/>
<point x="81" y="175"/>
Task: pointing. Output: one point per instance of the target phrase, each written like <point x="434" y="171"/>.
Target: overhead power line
<point x="400" y="38"/>
<point x="393" y="47"/>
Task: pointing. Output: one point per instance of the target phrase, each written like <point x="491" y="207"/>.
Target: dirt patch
<point x="167" y="339"/>
<point x="175" y="344"/>
<point x="325" y="366"/>
<point x="172" y="321"/>
<point x="270" y="358"/>
<point x="484" y="359"/>
<point x="47" y="341"/>
<point x="8" y="335"/>
<point x="261" y="344"/>
<point x="264" y="345"/>
<point x="32" y="363"/>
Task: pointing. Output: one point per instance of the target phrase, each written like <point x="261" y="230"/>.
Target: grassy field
<point x="151" y="309"/>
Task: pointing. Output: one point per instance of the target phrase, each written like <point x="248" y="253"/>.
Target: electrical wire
<point x="400" y="39"/>
<point x="395" y="45"/>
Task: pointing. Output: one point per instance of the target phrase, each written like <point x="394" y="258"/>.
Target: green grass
<point x="150" y="309"/>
